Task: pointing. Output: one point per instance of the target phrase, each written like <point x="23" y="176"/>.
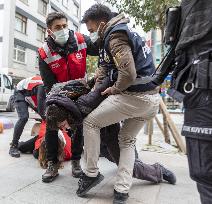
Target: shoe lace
<point x="14" y="146"/>
<point x="82" y="176"/>
<point x="50" y="167"/>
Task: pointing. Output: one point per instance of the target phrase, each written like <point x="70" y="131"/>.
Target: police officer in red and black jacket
<point x="62" y="58"/>
<point x="29" y="93"/>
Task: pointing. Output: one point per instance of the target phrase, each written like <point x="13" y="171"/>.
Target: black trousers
<point x="110" y="149"/>
<point x="200" y="166"/>
<point x="23" y="115"/>
<point x="51" y="138"/>
<point x="29" y="147"/>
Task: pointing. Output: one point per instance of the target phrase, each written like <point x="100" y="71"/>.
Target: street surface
<point x="20" y="178"/>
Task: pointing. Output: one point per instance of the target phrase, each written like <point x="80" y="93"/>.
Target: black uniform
<point x="194" y="52"/>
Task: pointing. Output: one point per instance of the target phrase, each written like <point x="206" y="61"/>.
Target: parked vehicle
<point x="6" y="93"/>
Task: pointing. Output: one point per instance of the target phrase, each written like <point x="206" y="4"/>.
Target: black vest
<point x="197" y="27"/>
<point x="141" y="53"/>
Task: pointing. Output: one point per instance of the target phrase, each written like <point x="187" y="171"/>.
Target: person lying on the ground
<point x="37" y="145"/>
<point x="66" y="108"/>
<point x="29" y="93"/>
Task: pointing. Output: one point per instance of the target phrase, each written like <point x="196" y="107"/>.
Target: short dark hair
<point x="54" y="16"/>
<point x="54" y="115"/>
<point x="97" y="12"/>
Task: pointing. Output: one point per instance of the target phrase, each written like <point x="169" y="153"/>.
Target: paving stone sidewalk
<point x="20" y="180"/>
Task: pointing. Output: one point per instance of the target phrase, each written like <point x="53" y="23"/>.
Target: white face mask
<point x="61" y="36"/>
<point x="94" y="36"/>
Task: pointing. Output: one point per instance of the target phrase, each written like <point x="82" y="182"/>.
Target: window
<point x="65" y="3"/>
<point x="41" y="33"/>
<point x="76" y="10"/>
<point x="7" y="83"/>
<point x="75" y="27"/>
<point x="42" y="7"/>
<point x="20" y="23"/>
<point x="19" y="54"/>
<point x="24" y="1"/>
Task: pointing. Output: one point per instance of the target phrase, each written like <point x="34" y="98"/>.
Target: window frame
<point x="66" y="6"/>
<point x="43" y="30"/>
<point x="43" y="13"/>
<point x="76" y="6"/>
<point x="16" y="51"/>
<point x="23" y="23"/>
<point x="25" y="2"/>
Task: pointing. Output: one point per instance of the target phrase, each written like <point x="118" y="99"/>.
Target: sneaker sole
<point x="91" y="186"/>
<point x="119" y="202"/>
<point x="77" y="175"/>
<point x="50" y="179"/>
<point x="16" y="156"/>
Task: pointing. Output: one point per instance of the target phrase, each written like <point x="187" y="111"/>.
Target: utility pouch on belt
<point x="173" y="17"/>
<point x="202" y="74"/>
<point x="203" y="69"/>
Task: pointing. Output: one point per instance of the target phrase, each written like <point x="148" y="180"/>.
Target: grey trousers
<point x="132" y="108"/>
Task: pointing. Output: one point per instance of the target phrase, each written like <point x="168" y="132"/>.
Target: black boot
<point x="120" y="198"/>
<point x="14" y="152"/>
<point x="76" y="168"/>
<point x="168" y="175"/>
<point x="51" y="172"/>
<point x="86" y="183"/>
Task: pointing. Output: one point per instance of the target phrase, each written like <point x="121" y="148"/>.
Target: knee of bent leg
<point x="24" y="119"/>
<point x="126" y="141"/>
<point x="91" y="122"/>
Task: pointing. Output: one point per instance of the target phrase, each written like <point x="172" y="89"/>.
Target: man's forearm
<point x="47" y="75"/>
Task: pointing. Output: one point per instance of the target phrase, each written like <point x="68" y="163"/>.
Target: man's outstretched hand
<point x="107" y="91"/>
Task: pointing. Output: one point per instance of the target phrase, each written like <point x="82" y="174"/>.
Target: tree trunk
<point x="165" y="122"/>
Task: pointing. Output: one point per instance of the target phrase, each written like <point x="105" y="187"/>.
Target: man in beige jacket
<point x="126" y="58"/>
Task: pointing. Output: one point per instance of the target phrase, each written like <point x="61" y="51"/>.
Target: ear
<point x="49" y="32"/>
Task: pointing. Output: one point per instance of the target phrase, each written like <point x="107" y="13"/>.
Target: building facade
<point x="23" y="30"/>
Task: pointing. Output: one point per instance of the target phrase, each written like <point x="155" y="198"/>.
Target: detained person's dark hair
<point x="54" y="16"/>
<point x="54" y="115"/>
<point x="97" y="12"/>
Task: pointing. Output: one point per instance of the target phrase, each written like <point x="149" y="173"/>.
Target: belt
<point x="152" y="92"/>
